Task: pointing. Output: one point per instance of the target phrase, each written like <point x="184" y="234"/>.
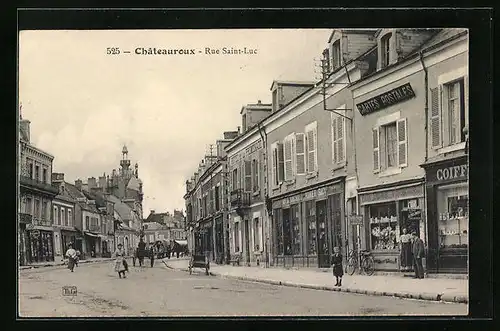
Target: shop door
<point x="321" y="226"/>
<point x="247" y="241"/>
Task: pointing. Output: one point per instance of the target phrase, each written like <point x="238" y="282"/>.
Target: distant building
<point x="164" y="226"/>
<point x="35" y="235"/>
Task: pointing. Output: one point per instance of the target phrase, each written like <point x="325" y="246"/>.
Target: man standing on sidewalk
<point x="418" y="254"/>
<point x="152" y="254"/>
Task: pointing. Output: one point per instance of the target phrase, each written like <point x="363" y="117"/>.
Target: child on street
<point x="338" y="270"/>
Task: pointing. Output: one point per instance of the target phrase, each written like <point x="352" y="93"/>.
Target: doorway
<point x="247" y="242"/>
<point x="322" y="230"/>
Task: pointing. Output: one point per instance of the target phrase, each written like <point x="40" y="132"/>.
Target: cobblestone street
<point x="160" y="291"/>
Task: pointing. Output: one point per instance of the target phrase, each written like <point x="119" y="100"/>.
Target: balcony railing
<point x="94" y="228"/>
<point x="42" y="221"/>
<point x="37" y="184"/>
<point x="240" y="199"/>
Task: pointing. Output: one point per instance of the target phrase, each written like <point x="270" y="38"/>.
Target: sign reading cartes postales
<point x="387" y="99"/>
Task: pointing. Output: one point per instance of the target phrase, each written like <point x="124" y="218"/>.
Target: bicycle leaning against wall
<point x="367" y="263"/>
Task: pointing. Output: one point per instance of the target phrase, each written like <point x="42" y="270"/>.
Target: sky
<point x="85" y="104"/>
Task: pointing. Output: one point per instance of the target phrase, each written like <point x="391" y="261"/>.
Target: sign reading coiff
<point x="392" y="97"/>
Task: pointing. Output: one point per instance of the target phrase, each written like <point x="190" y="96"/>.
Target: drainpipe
<point x="426" y="112"/>
<point x="263" y="136"/>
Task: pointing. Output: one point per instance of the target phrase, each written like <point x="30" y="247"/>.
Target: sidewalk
<point x="434" y="289"/>
<point x="61" y="263"/>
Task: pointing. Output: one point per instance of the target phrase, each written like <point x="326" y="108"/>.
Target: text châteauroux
<point x="193" y="51"/>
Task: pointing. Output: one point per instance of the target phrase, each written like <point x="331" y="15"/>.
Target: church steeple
<point x="125" y="162"/>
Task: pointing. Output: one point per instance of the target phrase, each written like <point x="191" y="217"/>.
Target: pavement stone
<point x="431" y="289"/>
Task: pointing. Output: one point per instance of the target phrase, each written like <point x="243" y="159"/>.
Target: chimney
<point x="259" y="102"/>
<point x="91" y="182"/>
<point x="239" y="130"/>
<point x="152" y="211"/>
<point x="25" y="130"/>
<point x="102" y="181"/>
<point x="78" y="184"/>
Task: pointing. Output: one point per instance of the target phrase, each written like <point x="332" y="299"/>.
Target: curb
<point x="438" y="297"/>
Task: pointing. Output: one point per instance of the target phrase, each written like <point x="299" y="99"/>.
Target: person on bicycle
<point x="338" y="270"/>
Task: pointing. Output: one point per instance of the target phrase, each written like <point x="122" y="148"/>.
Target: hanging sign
<point x="355" y="219"/>
<point x="387" y="99"/>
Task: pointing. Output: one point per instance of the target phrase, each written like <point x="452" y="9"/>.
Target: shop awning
<point x="181" y="242"/>
<point x="90" y="234"/>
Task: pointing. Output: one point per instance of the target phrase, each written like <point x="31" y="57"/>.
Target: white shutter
<point x="340" y="138"/>
<point x="376" y="150"/>
<point x="300" y="166"/>
<point x="435" y="117"/>
<point x="402" y="152"/>
<point x="240" y="237"/>
<point x="275" y="165"/>
<point x="334" y="138"/>
<point x="248" y="176"/>
<point x="281" y="163"/>
<point x="288" y="158"/>
<point x="252" y="238"/>
<point x="311" y="150"/>
<point x="315" y="140"/>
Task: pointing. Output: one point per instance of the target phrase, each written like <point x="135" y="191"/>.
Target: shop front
<point x="387" y="210"/>
<point x="40" y="244"/>
<point x="448" y="214"/>
<point x="204" y="238"/>
<point x="307" y="224"/>
<point x="92" y="243"/>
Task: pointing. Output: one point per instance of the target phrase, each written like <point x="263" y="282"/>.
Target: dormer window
<point x="244" y="122"/>
<point x="386" y="48"/>
<point x="336" y="55"/>
<point x="275" y="100"/>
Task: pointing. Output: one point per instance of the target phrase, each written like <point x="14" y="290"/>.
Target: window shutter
<point x="281" y="165"/>
<point x="233" y="235"/>
<point x="315" y="142"/>
<point x="376" y="150"/>
<point x="402" y="142"/>
<point x="288" y="159"/>
<point x="300" y="154"/>
<point x="248" y="176"/>
<point x="340" y="139"/>
<point x="311" y="151"/>
<point x="334" y="139"/>
<point x="261" y="235"/>
<point x="275" y="165"/>
<point x="435" y="118"/>
<point x="240" y="238"/>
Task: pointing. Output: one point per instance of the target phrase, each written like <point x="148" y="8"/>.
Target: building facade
<point x="36" y="193"/>
<point x="446" y="162"/>
<point x="63" y="217"/>
<point x="246" y="198"/>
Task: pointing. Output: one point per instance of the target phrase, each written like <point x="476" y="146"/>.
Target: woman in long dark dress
<point x="338" y="270"/>
<point x="406" y="255"/>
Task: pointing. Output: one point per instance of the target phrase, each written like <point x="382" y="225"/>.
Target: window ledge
<point x="311" y="175"/>
<point x="290" y="182"/>
<point x="390" y="172"/>
<point x="338" y="166"/>
<point x="452" y="148"/>
<point x="256" y="193"/>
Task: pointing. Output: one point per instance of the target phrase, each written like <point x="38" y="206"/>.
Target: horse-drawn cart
<point x="199" y="261"/>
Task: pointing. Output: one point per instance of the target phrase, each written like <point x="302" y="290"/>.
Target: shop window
<point x="296" y="233"/>
<point x="287" y="231"/>
<point x="279" y="231"/>
<point x="453" y="213"/>
<point x="384" y="226"/>
<point x="278" y="166"/>
<point x="336" y="207"/>
<point x="311" y="227"/>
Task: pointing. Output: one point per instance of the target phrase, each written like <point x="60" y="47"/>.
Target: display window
<point x="453" y="216"/>
<point x="384" y="226"/>
<point x="311" y="227"/>
<point x="296" y="233"/>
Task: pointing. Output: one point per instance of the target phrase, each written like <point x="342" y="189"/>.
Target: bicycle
<point x="367" y="263"/>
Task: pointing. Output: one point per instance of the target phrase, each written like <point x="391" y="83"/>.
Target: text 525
<point x="113" y="50"/>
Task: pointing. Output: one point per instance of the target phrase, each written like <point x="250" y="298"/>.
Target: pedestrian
<point x="134" y="256"/>
<point x="141" y="251"/>
<point x="119" y="261"/>
<point x="338" y="270"/>
<point x="405" y="248"/>
<point x="71" y="255"/>
<point x="418" y="255"/>
<point x="152" y="254"/>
